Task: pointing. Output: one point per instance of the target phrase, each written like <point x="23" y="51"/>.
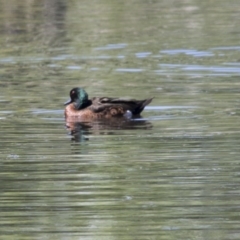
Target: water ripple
<point x="130" y="70"/>
<point x="191" y="52"/>
<point x="112" y="46"/>
<point x="214" y="69"/>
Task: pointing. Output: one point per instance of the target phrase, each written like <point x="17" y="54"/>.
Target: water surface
<point x="172" y="174"/>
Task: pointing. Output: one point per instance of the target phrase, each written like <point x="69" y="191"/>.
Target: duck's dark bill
<point x="69" y="101"/>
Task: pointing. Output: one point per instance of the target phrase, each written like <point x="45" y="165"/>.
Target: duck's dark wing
<point x="133" y="105"/>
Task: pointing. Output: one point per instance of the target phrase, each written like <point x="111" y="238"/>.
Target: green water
<point x="172" y="174"/>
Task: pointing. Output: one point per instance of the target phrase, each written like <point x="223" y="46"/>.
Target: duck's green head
<point x="79" y="97"/>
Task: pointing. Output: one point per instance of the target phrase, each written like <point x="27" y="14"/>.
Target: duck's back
<point x="118" y="106"/>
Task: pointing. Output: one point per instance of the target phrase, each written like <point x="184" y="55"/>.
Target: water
<point x="172" y="174"/>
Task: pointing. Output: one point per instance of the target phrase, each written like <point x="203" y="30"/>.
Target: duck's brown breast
<point x="70" y="111"/>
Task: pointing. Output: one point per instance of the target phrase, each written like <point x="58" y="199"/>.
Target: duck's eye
<point x="72" y="92"/>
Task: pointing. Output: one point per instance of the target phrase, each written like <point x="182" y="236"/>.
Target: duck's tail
<point x="142" y="104"/>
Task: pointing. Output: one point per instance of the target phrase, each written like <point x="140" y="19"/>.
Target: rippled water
<point x="172" y="174"/>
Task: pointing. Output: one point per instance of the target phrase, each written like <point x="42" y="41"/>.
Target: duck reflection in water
<point x="80" y="130"/>
<point x="93" y="115"/>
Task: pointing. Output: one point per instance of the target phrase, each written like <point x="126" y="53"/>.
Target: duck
<point x="81" y="107"/>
